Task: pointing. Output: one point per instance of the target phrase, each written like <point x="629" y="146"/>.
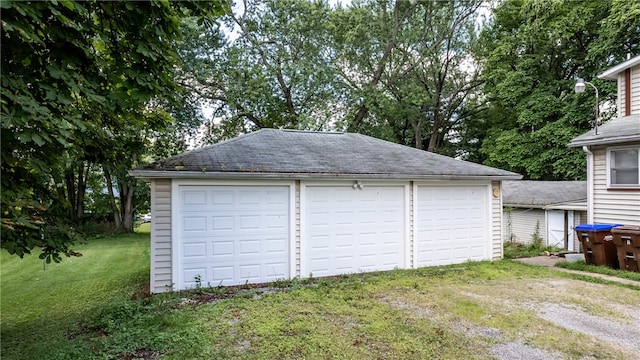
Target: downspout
<point x="590" y="215"/>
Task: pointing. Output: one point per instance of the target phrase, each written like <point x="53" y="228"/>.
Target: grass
<point x="90" y="308"/>
<point x="39" y="306"/>
<point x="582" y="266"/>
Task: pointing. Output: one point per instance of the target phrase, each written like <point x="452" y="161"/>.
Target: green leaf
<point x="38" y="139"/>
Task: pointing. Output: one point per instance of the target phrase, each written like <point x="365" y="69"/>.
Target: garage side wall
<point x="161" y="280"/>
<point x="496" y="220"/>
<point x="520" y="225"/>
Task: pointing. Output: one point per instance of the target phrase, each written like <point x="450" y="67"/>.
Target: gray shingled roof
<point x="271" y="153"/>
<point x="616" y="131"/>
<point x="541" y="193"/>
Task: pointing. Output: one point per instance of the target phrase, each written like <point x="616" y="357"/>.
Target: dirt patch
<point x="518" y="351"/>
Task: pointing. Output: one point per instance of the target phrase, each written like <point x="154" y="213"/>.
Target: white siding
<point x="520" y="225"/>
<point x="161" y="280"/>
<point x="612" y="206"/>
<point x="579" y="217"/>
<point x="496" y="220"/>
<point x="620" y="100"/>
<point x="635" y="90"/>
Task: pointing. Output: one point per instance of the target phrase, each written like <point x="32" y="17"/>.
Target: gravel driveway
<point x="586" y="310"/>
<point x="563" y="318"/>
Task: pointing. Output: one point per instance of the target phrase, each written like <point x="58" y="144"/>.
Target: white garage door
<point x="452" y="225"/>
<point x="350" y="230"/>
<point x="231" y="235"/>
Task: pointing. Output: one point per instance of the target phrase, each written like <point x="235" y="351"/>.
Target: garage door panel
<point x="276" y="246"/>
<point x="452" y="224"/>
<point x="223" y="223"/>
<point x="222" y="249"/>
<point x="196" y="250"/>
<point x="194" y="198"/>
<point x="233" y="234"/>
<point x="352" y="230"/>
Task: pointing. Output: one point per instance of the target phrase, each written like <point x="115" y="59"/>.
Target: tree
<point x="76" y="80"/>
<point x="273" y="70"/>
<point x="410" y="75"/>
<point x="534" y="51"/>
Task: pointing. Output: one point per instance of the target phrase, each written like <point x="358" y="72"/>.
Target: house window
<point x="623" y="167"/>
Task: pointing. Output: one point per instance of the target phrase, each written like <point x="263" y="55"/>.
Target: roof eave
<point x="612" y="73"/>
<point x="604" y="141"/>
<point x="162" y="174"/>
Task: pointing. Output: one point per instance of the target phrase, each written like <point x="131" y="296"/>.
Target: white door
<point x="231" y="235"/>
<point x="452" y="224"/>
<point x="347" y="230"/>
<point x="557" y="228"/>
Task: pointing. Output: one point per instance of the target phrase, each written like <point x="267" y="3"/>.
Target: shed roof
<point x="542" y="193"/>
<point x="273" y="153"/>
<point x="616" y="131"/>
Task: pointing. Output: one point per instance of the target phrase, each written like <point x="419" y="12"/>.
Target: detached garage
<point x="277" y="204"/>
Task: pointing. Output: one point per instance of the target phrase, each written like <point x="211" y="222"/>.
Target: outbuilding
<point x="277" y="204"/>
<point x="544" y="211"/>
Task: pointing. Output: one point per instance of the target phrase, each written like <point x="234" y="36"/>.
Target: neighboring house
<point x="548" y="209"/>
<point x="613" y="153"/>
<point x="277" y="204"/>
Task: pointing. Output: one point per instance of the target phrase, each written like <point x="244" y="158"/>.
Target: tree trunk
<point x="417" y="131"/>
<point x="70" y="182"/>
<point x="112" y="199"/>
<point x="127" y="186"/>
<point x="81" y="188"/>
<point x="127" y="190"/>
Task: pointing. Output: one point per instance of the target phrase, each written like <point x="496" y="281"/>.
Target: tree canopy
<point x="78" y="82"/>
<point x="534" y="51"/>
<point x="91" y="89"/>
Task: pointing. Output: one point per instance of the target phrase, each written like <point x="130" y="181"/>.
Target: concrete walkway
<point x="551" y="261"/>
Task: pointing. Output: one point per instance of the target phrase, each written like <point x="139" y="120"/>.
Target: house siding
<point x="617" y="206"/>
<point x="520" y="225"/>
<point x="497" y="250"/>
<point x="579" y="217"/>
<point x="620" y="100"/>
<point x="161" y="278"/>
<point x="635" y="92"/>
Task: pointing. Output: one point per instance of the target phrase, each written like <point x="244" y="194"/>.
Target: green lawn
<point x="40" y="307"/>
<point x="87" y="308"/>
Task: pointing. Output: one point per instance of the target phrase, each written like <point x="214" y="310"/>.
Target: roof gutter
<point x="159" y="174"/>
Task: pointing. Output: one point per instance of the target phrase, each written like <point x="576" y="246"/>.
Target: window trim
<point x="611" y="186"/>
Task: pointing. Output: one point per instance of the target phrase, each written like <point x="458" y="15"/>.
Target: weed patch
<point x="513" y="250"/>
